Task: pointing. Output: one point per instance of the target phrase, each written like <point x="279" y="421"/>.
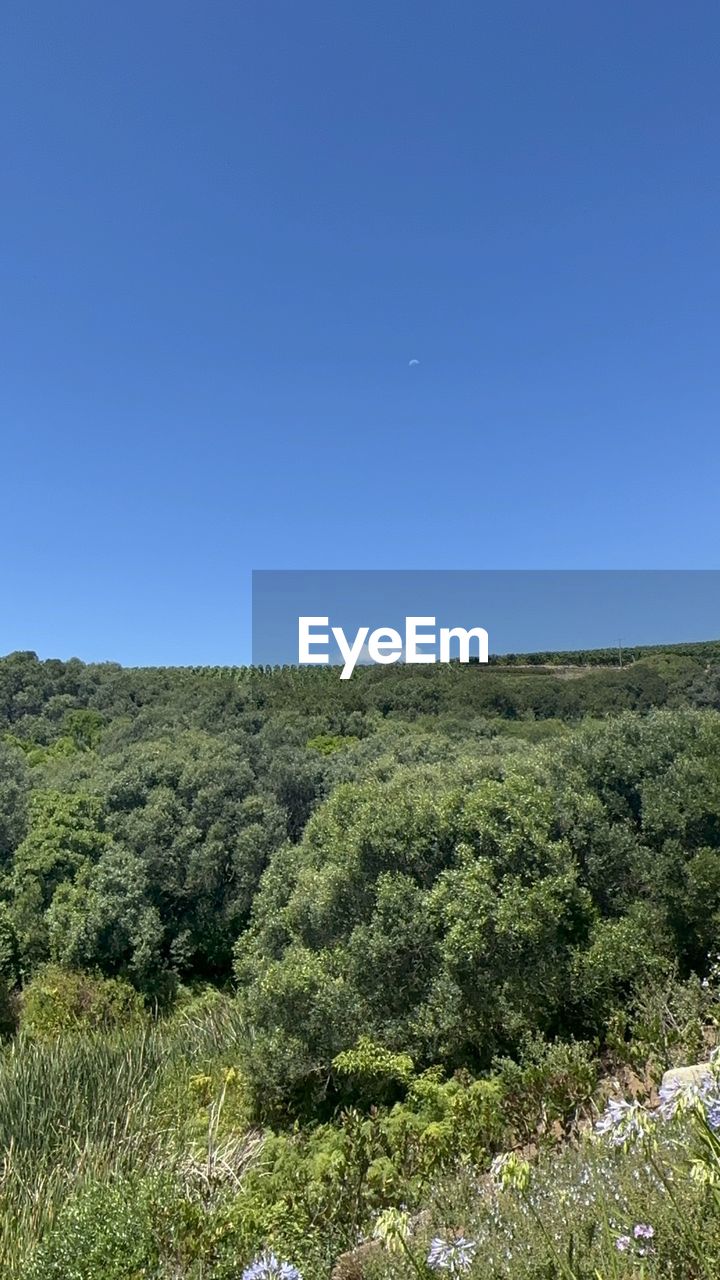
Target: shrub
<point x="104" y="1233"/>
<point x="544" y="1088"/>
<point x="371" y="1074"/>
<point x="8" y="1009"/>
<point x="59" y="1000"/>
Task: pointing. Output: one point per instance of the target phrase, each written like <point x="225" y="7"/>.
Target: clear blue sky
<point x="225" y="230"/>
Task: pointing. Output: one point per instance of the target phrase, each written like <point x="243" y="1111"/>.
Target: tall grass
<point x="90" y="1106"/>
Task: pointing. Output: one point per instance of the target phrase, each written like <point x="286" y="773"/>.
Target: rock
<point x="353" y="1265"/>
<point x="682" y="1077"/>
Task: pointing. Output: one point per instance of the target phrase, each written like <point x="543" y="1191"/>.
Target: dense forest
<point x="332" y="975"/>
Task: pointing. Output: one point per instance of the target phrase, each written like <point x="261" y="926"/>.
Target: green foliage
<point x="14" y="788"/>
<point x="445" y="894"/>
<point x="8" y="1009"/>
<point x="668" y="1022"/>
<point x="108" y="1232"/>
<point x="72" y="1109"/>
<point x="84" y="728"/>
<point x="9" y="946"/>
<point x="105" y="918"/>
<point x="543" y="1088"/>
<point x="302" y="1017"/>
<point x="460" y="911"/>
<point x="59" y="1000"/>
<point x="328" y="743"/>
<point x="65" y="835"/>
<point x="373" y="1074"/>
<point x="451" y="1120"/>
<point x="575" y="1216"/>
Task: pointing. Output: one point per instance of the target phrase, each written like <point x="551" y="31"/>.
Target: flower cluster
<point x="679" y="1096"/>
<point x="637" y="1244"/>
<point x="623" y="1123"/>
<point x="701" y="1095"/>
<point x="454" y="1256"/>
<point x="268" y="1267"/>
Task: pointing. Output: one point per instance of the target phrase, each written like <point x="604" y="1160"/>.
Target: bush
<point x="59" y="1000"/>
<point x="105" y="1233"/>
<point x="371" y="1074"/>
<point x="543" y="1089"/>
<point x="8" y="1009"/>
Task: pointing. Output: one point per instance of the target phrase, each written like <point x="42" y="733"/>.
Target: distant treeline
<point x="615" y="655"/>
<point x="36" y="695"/>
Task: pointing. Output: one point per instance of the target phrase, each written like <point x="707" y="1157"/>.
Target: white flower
<point x="454" y="1256"/>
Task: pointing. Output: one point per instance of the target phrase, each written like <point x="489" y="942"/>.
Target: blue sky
<point x="226" y="229"/>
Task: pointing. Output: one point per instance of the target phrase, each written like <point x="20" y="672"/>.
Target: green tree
<point x="104" y="919"/>
<point x="66" y="833"/>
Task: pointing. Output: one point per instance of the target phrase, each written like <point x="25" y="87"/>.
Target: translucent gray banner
<point x="347" y="618"/>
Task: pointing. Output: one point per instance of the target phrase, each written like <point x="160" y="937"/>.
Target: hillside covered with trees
<point x="287" y="963"/>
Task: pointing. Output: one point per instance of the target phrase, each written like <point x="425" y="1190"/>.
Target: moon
<point x="412" y="362"/>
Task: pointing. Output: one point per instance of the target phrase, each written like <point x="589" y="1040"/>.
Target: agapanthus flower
<point x="454" y="1256"/>
<point x="268" y="1267"/>
<point x="712" y="1112"/>
<point x="643" y="1231"/>
<point x="681" y="1096"/>
<point x="497" y="1166"/>
<point x="622" y="1123"/>
<point x="699" y="1096"/>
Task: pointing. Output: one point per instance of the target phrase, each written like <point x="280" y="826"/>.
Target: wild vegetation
<point x="340" y="975"/>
